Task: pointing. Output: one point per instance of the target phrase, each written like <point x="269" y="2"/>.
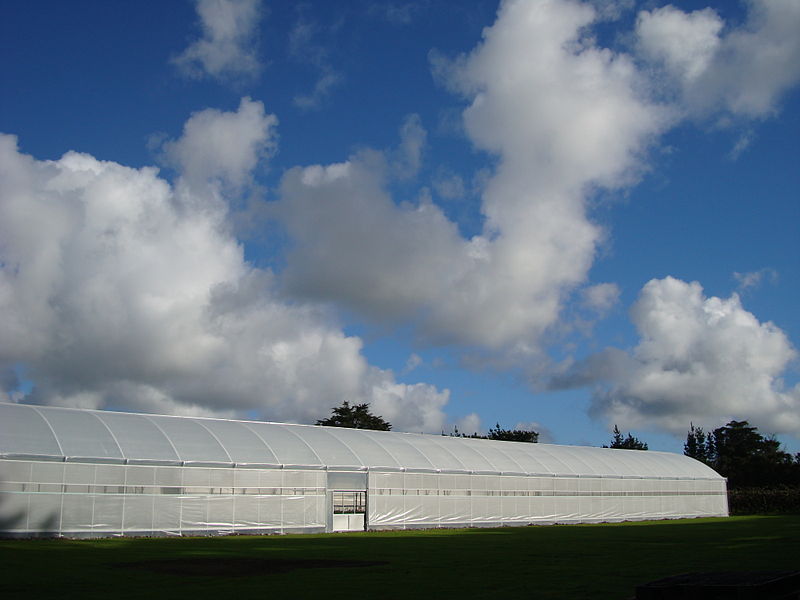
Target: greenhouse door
<point x="349" y="510"/>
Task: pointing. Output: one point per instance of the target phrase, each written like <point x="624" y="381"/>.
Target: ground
<point x="553" y="562"/>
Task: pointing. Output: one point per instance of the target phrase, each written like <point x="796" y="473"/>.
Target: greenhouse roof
<point x="68" y="434"/>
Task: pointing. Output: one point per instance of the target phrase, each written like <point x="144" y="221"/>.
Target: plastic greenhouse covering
<point x="84" y="473"/>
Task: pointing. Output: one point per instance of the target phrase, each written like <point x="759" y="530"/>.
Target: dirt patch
<point x="232" y="566"/>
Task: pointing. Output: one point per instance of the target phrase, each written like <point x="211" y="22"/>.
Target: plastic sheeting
<point x="404" y="500"/>
<point x="73" y="434"/>
<point x="85" y="500"/>
<point x="90" y="473"/>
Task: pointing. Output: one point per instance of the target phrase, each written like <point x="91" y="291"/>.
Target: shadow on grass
<point x="238" y="566"/>
<point x="572" y="561"/>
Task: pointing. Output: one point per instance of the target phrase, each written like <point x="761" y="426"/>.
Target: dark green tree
<point x="500" y="434"/>
<point x="461" y="434"/>
<point x="699" y="445"/>
<point x="748" y="459"/>
<point x="625" y="443"/>
<point x="512" y="435"/>
<point x="355" y="417"/>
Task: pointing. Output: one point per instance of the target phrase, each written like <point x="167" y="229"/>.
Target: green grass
<point x="575" y="561"/>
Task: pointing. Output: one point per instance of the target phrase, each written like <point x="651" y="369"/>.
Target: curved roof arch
<point x="86" y="435"/>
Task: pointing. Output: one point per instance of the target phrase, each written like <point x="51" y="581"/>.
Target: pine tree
<point x="698" y="445"/>
<point x="626" y="443"/>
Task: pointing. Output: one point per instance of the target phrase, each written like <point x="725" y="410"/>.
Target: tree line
<point x="739" y="452"/>
<point x="358" y="416"/>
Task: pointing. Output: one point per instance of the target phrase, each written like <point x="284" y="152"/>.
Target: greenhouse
<point x="88" y="473"/>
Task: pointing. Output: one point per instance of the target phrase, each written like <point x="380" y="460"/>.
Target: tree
<point x="626" y="443"/>
<point x="512" y="435"/>
<point x="499" y="434"/>
<point x="355" y="417"/>
<point x="698" y="444"/>
<point x="460" y="434"/>
<point x="740" y="453"/>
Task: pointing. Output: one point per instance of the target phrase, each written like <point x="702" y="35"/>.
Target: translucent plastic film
<point x="112" y="436"/>
<point x="87" y="500"/>
<point x="400" y="500"/>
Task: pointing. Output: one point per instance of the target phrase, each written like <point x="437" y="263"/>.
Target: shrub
<point x="771" y="500"/>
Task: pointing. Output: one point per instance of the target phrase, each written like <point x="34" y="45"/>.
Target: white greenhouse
<point x="86" y="473"/>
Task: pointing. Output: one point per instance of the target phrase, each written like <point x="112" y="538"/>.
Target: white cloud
<point x="449" y="185"/>
<point x="305" y="48"/>
<point x="223" y="147"/>
<point x="601" y="297"/>
<point x="742" y="144"/>
<point x="700" y="359"/>
<point x="408" y="157"/>
<point x="352" y="243"/>
<point x="119" y="290"/>
<point x="469" y="424"/>
<point x="326" y="82"/>
<point x="561" y="124"/>
<point x="408" y="407"/>
<point x="227" y="50"/>
<point x="611" y="10"/>
<point x="753" y="279"/>
<point x="744" y="71"/>
<point x="414" y="361"/>
<point x="685" y="42"/>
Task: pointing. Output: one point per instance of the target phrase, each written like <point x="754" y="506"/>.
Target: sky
<point x="544" y="214"/>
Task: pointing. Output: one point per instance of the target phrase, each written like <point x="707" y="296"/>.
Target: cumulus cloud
<point x="685" y="42"/>
<point x="223" y="147"/>
<point x="563" y="117"/>
<point x="120" y="289"/>
<point x="352" y="243"/>
<point x="700" y="359"/>
<point x="468" y="424"/>
<point x="562" y="124"/>
<point x="227" y="49"/>
<point x="744" y="71"/>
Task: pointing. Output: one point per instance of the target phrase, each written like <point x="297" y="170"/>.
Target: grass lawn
<point x="564" y="561"/>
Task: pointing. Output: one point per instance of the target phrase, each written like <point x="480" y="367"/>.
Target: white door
<point x="349" y="510"/>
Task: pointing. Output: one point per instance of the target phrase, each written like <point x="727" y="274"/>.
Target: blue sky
<point x="546" y="214"/>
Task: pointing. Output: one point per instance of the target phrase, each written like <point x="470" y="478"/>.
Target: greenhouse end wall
<point x="72" y="499"/>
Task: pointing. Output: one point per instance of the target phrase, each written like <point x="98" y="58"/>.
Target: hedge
<point x="776" y="500"/>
